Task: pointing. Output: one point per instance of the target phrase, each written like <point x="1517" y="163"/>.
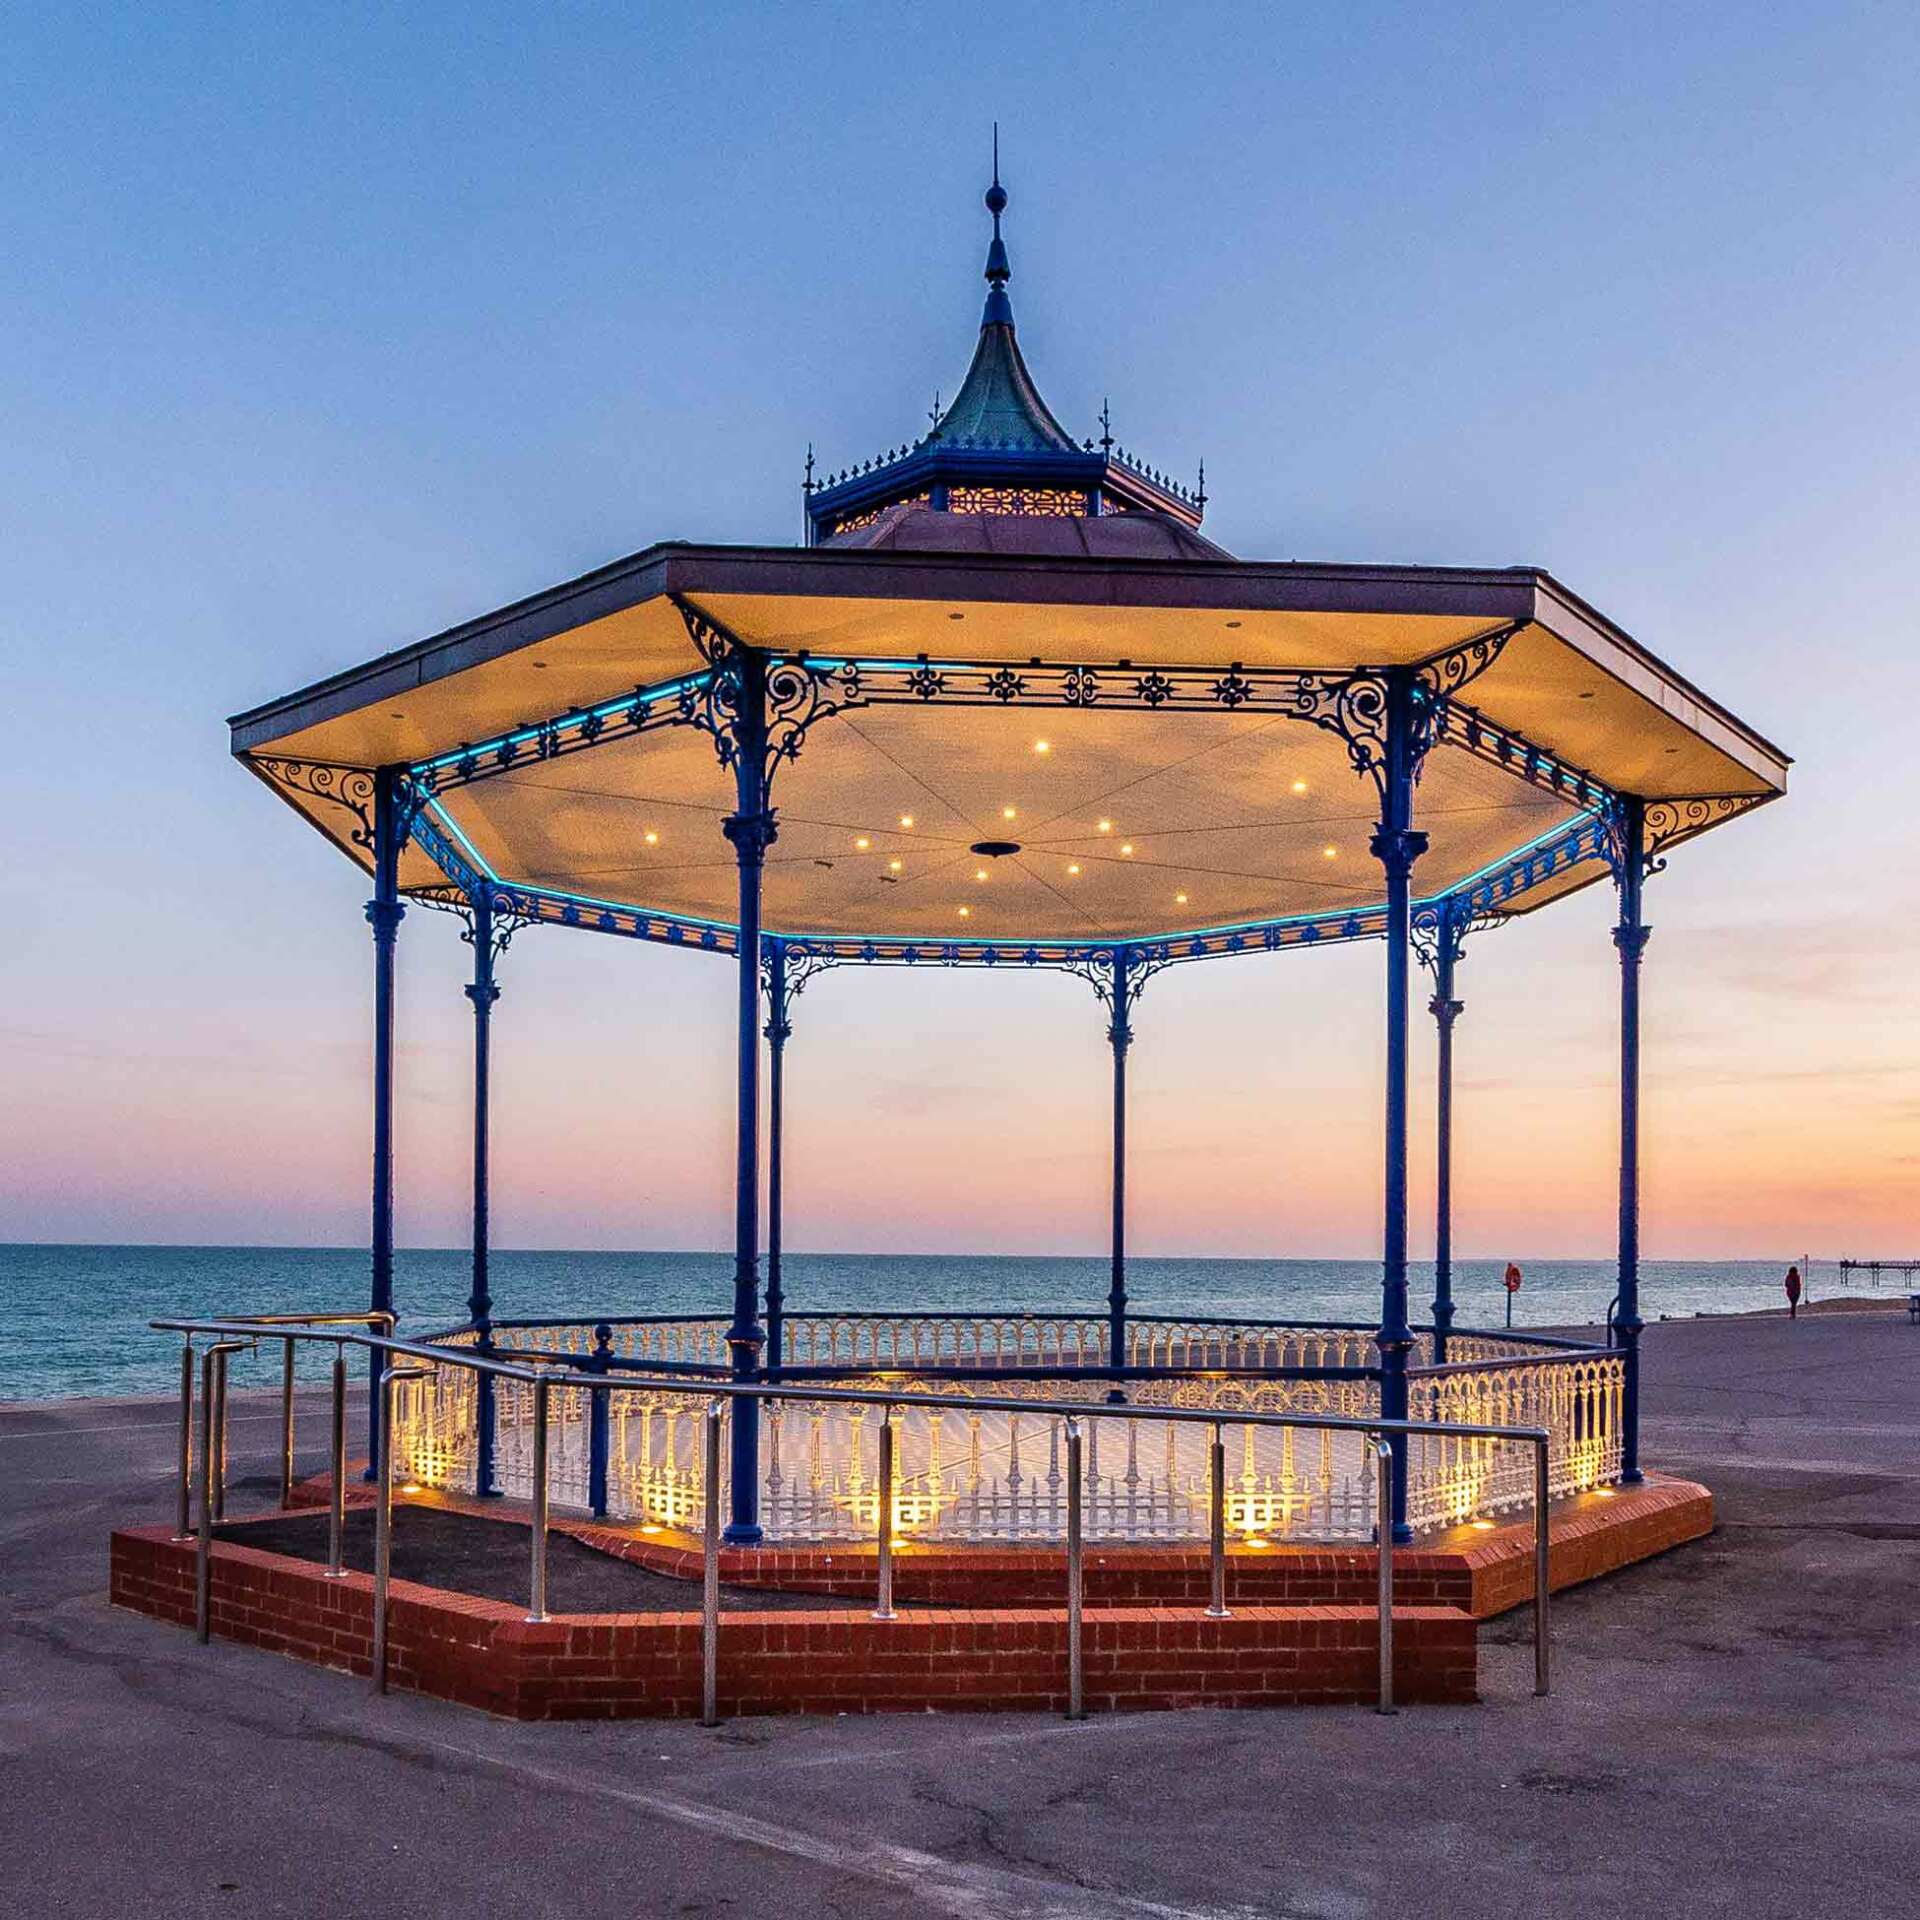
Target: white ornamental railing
<point x="1577" y="1397"/>
<point x="966" y="1473"/>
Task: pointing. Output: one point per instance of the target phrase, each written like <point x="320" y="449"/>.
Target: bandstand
<point x="1008" y="708"/>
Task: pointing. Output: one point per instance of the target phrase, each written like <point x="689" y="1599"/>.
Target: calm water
<point x="75" y="1318"/>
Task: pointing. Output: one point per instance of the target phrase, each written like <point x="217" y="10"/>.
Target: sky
<point x="326" y="327"/>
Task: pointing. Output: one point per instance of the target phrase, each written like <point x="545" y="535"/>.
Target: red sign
<point x="1513" y="1278"/>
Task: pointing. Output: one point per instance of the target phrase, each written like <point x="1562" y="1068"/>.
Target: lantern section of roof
<point x="997" y="455"/>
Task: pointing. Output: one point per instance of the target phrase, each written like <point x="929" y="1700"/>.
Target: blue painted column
<point x="483" y="992"/>
<point x="1397" y="846"/>
<point x="599" y="1424"/>
<point x="1445" y="1010"/>
<point x="384" y="914"/>
<point x="751" y="829"/>
<point x="779" y="1030"/>
<point x="1630" y="938"/>
<point x="1120" y="1037"/>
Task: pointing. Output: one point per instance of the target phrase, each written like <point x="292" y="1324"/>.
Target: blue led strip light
<point x="666" y="703"/>
<point x="1460" y="726"/>
<point x="1490" y="891"/>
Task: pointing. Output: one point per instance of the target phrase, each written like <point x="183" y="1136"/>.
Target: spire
<point x="999" y="311"/>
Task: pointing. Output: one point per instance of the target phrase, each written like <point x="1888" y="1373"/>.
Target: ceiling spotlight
<point x="652" y="838"/>
<point x="1179" y="899"/>
<point x="1106" y="826"/>
<point x="1299" y="786"/>
<point x="863" y="843"/>
<point x="966" y="913"/>
<point x="979" y="873"/>
<point x="1043" y="746"/>
<point x="906" y="820"/>
<point x="1074" y="870"/>
<point x="1006" y="813"/>
<point x="893" y="866"/>
<point x="1127" y="847"/>
<point x="1329" y="853"/>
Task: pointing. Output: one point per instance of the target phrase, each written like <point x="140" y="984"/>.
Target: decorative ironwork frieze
<point x="1460" y="726"/>
<point x="640" y="711"/>
<point x="350" y="788"/>
<point x="1670" y="821"/>
<point x="508" y="916"/>
<point x="798" y="691"/>
<point x="1592" y="837"/>
<point x="1438" y="930"/>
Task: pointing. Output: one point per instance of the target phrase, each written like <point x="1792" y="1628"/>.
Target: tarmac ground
<point x="1733" y="1729"/>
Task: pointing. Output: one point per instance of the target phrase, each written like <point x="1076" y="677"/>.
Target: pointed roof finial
<point x="1106" y="429"/>
<point x="999" y="311"/>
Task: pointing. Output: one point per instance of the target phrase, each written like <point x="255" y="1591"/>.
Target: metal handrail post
<point x="883" y="1601"/>
<point x="710" y="1574"/>
<point x="220" y="1353"/>
<point x="1217" y="1523"/>
<point x="537" y="1578"/>
<point x="212" y="1363"/>
<point x="183" y="1519"/>
<point x="286" y="1425"/>
<point x="337" y="1470"/>
<point x="1076" y="1672"/>
<point x="383" y="1518"/>
<point x="1383" y="1533"/>
<point x="1542" y="1564"/>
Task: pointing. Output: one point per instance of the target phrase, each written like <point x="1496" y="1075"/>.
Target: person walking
<point x="1793" y="1293"/>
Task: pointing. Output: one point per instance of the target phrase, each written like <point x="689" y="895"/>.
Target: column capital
<point x="752" y="834"/>
<point x="384" y="917"/>
<point x="1446" y="1011"/>
<point x="482" y="995"/>
<point x="1631" y="939"/>
<point x="1397" y="848"/>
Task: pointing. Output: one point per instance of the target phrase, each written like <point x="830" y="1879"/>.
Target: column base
<point x="737" y="1535"/>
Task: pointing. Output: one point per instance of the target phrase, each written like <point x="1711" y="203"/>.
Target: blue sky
<point x="328" y="326"/>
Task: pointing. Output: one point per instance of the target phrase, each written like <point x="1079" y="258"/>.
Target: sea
<point x="74" y="1319"/>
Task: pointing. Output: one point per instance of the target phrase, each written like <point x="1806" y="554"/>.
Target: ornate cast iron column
<point x="384" y="914"/>
<point x="1440" y="939"/>
<point x="751" y="828"/>
<point x="1630" y="937"/>
<point x="483" y="992"/>
<point x="779" y="1030"/>
<point x="758" y="709"/>
<point x="1120" y="1036"/>
<point x="1396" y="845"/>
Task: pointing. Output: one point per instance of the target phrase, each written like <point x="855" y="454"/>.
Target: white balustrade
<point x="970" y="1473"/>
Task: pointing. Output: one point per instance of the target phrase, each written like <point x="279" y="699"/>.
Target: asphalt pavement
<point x="1732" y="1729"/>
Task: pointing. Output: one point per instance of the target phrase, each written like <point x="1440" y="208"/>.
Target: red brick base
<point x="485" y="1654"/>
<point x="1482" y="1571"/>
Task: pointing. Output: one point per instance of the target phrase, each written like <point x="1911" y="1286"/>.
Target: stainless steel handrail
<point x="1383" y="1595"/>
<point x="390" y="1377"/>
<point x="213" y="1364"/>
<point x="234" y="1333"/>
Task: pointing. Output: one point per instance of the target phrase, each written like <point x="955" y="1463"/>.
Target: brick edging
<point x="485" y="1654"/>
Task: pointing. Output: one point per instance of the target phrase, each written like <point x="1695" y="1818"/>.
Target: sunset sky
<point x="326" y="327"/>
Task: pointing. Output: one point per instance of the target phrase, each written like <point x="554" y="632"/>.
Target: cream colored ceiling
<point x="1211" y="819"/>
